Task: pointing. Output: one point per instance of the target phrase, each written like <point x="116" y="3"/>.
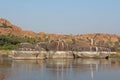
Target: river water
<point x="60" y="69"/>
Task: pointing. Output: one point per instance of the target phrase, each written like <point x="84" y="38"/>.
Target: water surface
<point x="60" y="69"/>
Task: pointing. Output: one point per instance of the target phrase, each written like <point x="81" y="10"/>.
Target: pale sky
<point x="63" y="16"/>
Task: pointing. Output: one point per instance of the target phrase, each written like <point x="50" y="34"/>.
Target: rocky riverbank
<point x="58" y="55"/>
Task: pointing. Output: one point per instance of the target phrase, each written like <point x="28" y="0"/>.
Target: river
<point x="60" y="69"/>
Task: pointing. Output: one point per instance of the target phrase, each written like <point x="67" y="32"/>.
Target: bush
<point x="5" y="26"/>
<point x="11" y="42"/>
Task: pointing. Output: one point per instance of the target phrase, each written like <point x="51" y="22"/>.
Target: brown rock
<point x="4" y="21"/>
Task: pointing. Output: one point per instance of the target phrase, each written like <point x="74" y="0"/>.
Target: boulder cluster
<point x="58" y="46"/>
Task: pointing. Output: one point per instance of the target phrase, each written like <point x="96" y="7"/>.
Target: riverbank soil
<point x="5" y="53"/>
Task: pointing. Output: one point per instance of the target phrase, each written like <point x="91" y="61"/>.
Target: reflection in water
<point x="5" y="64"/>
<point x="60" y="69"/>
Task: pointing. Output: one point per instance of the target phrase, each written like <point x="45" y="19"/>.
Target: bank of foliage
<point x="12" y="42"/>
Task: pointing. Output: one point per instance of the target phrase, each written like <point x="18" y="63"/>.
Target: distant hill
<point x="7" y="28"/>
<point x="97" y="39"/>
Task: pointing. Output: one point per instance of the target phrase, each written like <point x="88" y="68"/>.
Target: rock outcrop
<point x="5" y="22"/>
<point x="7" y="28"/>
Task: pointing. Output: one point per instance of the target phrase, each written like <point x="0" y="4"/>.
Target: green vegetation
<point x="12" y="42"/>
<point x="116" y="47"/>
<point x="114" y="56"/>
<point x="5" y="26"/>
